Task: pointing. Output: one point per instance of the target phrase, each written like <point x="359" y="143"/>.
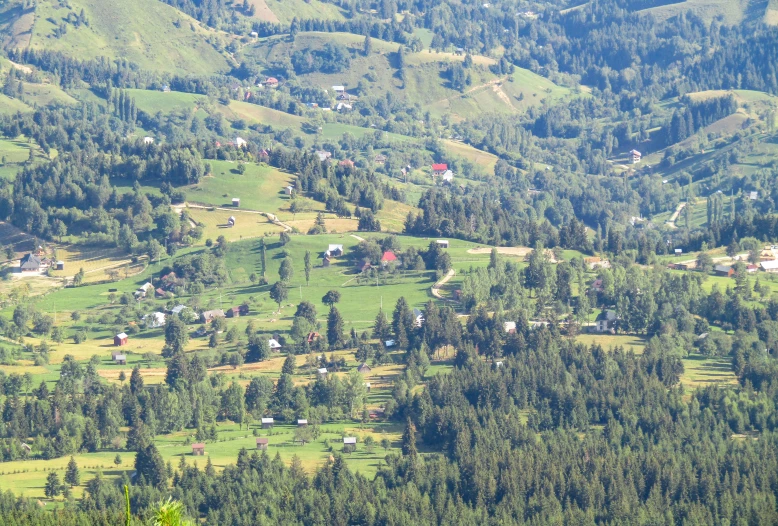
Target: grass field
<point x="45" y="94"/>
<point x="286" y="10"/>
<point x="260" y="188"/>
<point x="247" y="225"/>
<point x="731" y="11"/>
<point x="152" y="34"/>
<point x="610" y="341"/>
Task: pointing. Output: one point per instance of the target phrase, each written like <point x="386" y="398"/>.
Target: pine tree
<point x="52" y="487"/>
<point x="380" y="326"/>
<point x="308" y="267"/>
<point x="409" y="439"/>
<point x="72" y="476"/>
<point x="334" y="327"/>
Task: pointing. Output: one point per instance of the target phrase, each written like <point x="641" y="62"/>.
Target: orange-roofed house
<point x="439" y="169"/>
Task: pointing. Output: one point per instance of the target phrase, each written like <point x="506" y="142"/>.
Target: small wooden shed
<point x="198" y="449"/>
<point x="120" y="339"/>
<point x="267" y="423"/>
<point x="262" y="443"/>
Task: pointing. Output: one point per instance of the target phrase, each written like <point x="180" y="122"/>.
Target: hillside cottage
<point x="379" y="158"/>
<point x="724" y="270"/>
<point x="635" y="156"/>
<point x="364" y="369"/>
<point x="209" y="315"/>
<point x="606" y="321"/>
<point x="448" y="176"/>
<point x="30" y="263"/>
<point x="439" y="169"/>
<point x="273" y="344"/>
<point x="334" y="251"/>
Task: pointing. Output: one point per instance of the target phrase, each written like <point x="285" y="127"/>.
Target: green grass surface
<point x="149" y="33"/>
<point x="731" y="11"/>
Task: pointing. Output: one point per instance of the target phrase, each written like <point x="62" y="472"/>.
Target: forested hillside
<point x="388" y="262"/>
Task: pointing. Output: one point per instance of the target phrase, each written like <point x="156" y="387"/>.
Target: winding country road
<point x="436" y="287"/>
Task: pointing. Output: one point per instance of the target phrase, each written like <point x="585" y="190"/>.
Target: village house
<point x="60" y="265"/>
<point x="120" y="339"/>
<point x="240" y="142"/>
<point x="262" y="444"/>
<point x="160" y="292"/>
<point x="154" y="320"/>
<point x="267" y="422"/>
<point x="273" y="345"/>
<point x="302" y="422"/>
<point x="343" y="106"/>
<point x="751" y="268"/>
<point x="635" y="156"/>
<point x="177" y="309"/>
<point x="379" y="158"/>
<point x="233" y="312"/>
<point x="325" y="262"/>
<point x="364" y="265"/>
<point x="447" y="177"/>
<point x="418" y="318"/>
<point x="236" y="201"/>
<point x="364" y="369"/>
<point x="148" y="140"/>
<point x="271" y="82"/>
<point x="597" y="285"/>
<point x="349" y="444"/>
<point x="120" y="359"/>
<point x="770" y="265"/>
<point x="30" y="263"/>
<point x="313" y="337"/>
<point x="724" y="270"/>
<point x="209" y="315"/>
<point x="334" y="251"/>
<point x="198" y="449"/>
<point x="439" y="169"/>
<point x="606" y="321"/>
<point x="388" y="257"/>
<point x="323" y="155"/>
<point x="322" y="371"/>
<point x="509" y="327"/>
<point x="442" y="243"/>
<point x="339" y="90"/>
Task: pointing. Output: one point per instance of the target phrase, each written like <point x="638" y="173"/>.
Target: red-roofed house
<point x="348" y="163"/>
<point x="388" y="257"/>
<point x="439" y="169"/>
<point x="271" y="82"/>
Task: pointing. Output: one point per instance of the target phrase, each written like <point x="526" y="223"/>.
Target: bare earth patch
<point x="263" y="12"/>
<point x="506" y="251"/>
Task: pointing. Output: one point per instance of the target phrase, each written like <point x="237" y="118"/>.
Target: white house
<point x="442" y="243"/>
<point x="343" y="106"/>
<point x="770" y="266"/>
<point x="254" y="34"/>
<point x="154" y="320"/>
<point x="606" y="321"/>
<point x="509" y="327"/>
<point x="753" y="196"/>
<point x="635" y="156"/>
<point x="448" y="176"/>
<point x="177" y="309"/>
<point x="339" y="89"/>
<point x="322" y="371"/>
<point x="418" y="317"/>
<point x="236" y="201"/>
<point x="273" y="344"/>
<point x="334" y="251"/>
<point x="240" y="142"/>
<point x="390" y="343"/>
<point x="148" y="140"/>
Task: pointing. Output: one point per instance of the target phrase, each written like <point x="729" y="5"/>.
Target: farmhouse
<point x="439" y="169"/>
<point x="30" y="263"/>
<point x="751" y="268"/>
<point x="60" y="265"/>
<point x="233" y="312"/>
<point x="262" y="444"/>
<point x="635" y="156"/>
<point x="240" y="142"/>
<point x="606" y="321"/>
<point x="120" y="339"/>
<point x="313" y="337"/>
<point x="198" y="449"/>
<point x="724" y="270"/>
<point x="343" y="106"/>
<point x="148" y="140"/>
<point x="363" y="369"/>
<point x="770" y="266"/>
<point x="120" y="359"/>
<point x="154" y="320"/>
<point x="322" y="371"/>
<point x="418" y="318"/>
<point x="160" y="292"/>
<point x="267" y="422"/>
<point x="236" y="201"/>
<point x="448" y="176"/>
<point x="302" y="422"/>
<point x="209" y="315"/>
<point x="379" y="158"/>
<point x="323" y="155"/>
<point x="388" y="257"/>
<point x="349" y="444"/>
<point x="509" y="327"/>
<point x="334" y="251"/>
<point x="442" y="243"/>
<point x="364" y="265"/>
<point x="273" y="344"/>
<point x="271" y="82"/>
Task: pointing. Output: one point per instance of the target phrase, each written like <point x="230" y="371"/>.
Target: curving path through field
<point x="435" y="290"/>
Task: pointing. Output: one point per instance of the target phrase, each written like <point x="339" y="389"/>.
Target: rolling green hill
<point x="426" y="82"/>
<point x="155" y="36"/>
<point x="730" y="11"/>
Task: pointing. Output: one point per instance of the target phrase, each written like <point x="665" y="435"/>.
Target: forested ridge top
<point x="388" y="262"/>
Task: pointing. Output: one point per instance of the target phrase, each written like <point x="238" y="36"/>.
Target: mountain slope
<point x="152" y="34"/>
